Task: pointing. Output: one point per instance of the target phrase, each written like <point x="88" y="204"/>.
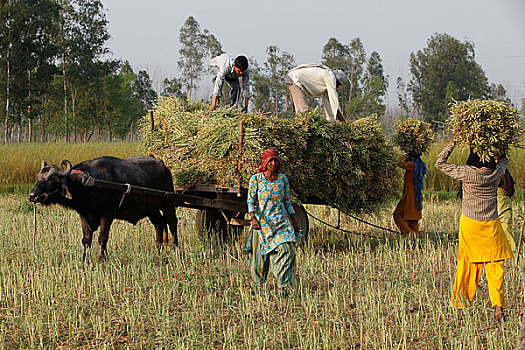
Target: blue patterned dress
<point x="270" y="201"/>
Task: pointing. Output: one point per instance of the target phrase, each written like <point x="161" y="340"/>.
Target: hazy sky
<point x="146" y="32"/>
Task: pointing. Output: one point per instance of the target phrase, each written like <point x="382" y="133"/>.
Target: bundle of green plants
<point x="413" y="135"/>
<point x="485" y="126"/>
<point x="350" y="167"/>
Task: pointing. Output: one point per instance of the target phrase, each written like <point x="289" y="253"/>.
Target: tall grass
<point x="19" y="163"/>
<point x="352" y="292"/>
<point x="438" y="181"/>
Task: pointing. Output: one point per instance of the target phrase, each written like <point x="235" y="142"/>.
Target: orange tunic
<point x="407" y="205"/>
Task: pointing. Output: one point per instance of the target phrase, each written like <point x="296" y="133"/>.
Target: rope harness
<point x="87" y="180"/>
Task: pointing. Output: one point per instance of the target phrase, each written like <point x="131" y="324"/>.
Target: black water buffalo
<point x="98" y="207"/>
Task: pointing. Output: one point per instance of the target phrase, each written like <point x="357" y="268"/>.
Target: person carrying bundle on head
<point x="315" y="80"/>
<point x="408" y="211"/>
<point x="482" y="242"/>
<point x="231" y="70"/>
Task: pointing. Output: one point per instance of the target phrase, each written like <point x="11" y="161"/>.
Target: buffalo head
<point x="51" y="183"/>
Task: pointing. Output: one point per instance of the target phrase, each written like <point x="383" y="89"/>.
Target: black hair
<point x="414" y="154"/>
<point x="241" y="62"/>
<point x="475" y="161"/>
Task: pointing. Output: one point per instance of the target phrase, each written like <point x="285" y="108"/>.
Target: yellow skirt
<point x="482" y="241"/>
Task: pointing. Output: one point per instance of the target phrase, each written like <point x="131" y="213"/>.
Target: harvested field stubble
<point x="351" y="292"/>
<point x="350" y="167"/>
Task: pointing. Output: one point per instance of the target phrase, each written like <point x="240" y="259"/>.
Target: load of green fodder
<point x="350" y="167"/>
<point x="485" y="126"/>
<point x="413" y="135"/>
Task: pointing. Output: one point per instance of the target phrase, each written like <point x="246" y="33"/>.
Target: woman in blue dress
<point x="272" y="223"/>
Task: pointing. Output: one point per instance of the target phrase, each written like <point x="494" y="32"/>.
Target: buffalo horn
<point x="43" y="164"/>
<point x="68" y="165"/>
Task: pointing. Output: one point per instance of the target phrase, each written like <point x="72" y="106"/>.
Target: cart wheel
<point x="302" y="220"/>
<point x="211" y="223"/>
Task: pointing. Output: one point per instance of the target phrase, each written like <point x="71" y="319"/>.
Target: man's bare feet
<point x="498" y="313"/>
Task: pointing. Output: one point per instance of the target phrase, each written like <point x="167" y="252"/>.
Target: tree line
<point x="56" y="82"/>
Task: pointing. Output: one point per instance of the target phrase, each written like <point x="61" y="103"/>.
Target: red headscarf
<point x="267" y="156"/>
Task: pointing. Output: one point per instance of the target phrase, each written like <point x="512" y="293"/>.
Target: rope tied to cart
<point x="426" y="233"/>
<point x="352" y="232"/>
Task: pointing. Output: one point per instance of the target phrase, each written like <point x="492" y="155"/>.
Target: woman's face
<point x="272" y="165"/>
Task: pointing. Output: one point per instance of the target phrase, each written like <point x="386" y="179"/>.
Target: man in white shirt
<point x="316" y="80"/>
<point x="231" y="70"/>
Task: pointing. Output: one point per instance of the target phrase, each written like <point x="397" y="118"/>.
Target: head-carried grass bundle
<point x="485" y="126"/>
<point x="413" y="135"/>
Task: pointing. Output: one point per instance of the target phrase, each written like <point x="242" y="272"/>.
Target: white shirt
<point x="225" y="64"/>
<point x="317" y="80"/>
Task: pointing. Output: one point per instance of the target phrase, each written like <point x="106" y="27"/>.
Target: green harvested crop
<point x="350" y="167"/>
<point x="485" y="126"/>
<point x="414" y="135"/>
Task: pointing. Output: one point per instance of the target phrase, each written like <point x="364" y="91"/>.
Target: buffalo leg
<point x="161" y="229"/>
<point x="103" y="236"/>
<point x="170" y="215"/>
<point x="87" y="238"/>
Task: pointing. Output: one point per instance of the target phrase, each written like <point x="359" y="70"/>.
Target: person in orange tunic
<point x="408" y="211"/>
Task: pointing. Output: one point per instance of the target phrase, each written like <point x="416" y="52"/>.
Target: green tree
<point x="403" y="97"/>
<point x="445" y="60"/>
<point x="84" y="44"/>
<point x="269" y="81"/>
<point x="351" y="59"/>
<point x="192" y="52"/>
<point x="213" y="46"/>
<point x="336" y="55"/>
<point x="451" y="93"/>
<point x="173" y="87"/>
<point x="357" y="57"/>
<point x="276" y="66"/>
<point x="27" y="52"/>
<point x="368" y="83"/>
<point x="498" y="93"/>
<point x="260" y="87"/>
<point x="142" y="88"/>
<point x="122" y="107"/>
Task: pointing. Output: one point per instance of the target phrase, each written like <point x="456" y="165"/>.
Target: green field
<point x="353" y="292"/>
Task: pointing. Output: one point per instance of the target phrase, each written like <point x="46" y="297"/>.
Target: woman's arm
<point x="286" y="196"/>
<point x="452" y="170"/>
<point x="405" y="163"/>
<point x="252" y="202"/>
<point x="255" y="223"/>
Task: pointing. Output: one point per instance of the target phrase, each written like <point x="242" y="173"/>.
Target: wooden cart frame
<point x="220" y="210"/>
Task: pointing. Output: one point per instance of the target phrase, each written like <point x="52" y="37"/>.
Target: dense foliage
<point x="485" y="126"/>
<point x="444" y="71"/>
<point x="55" y="83"/>
<point x="414" y="135"/>
<point x="350" y="167"/>
<point x="365" y="92"/>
